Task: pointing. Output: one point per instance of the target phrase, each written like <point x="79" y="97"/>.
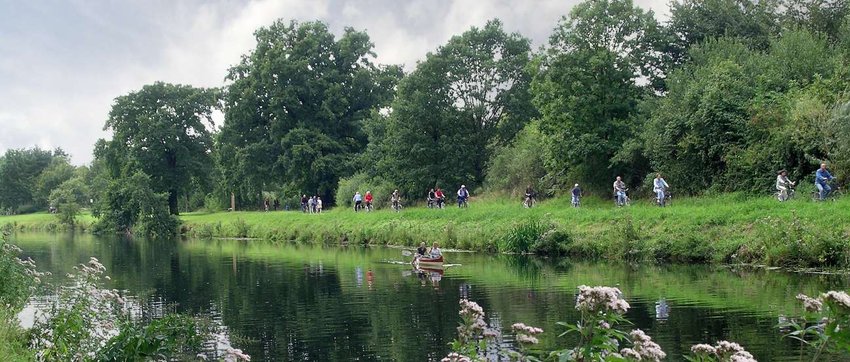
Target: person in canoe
<point x="435" y="251"/>
<point x="420" y="252"/>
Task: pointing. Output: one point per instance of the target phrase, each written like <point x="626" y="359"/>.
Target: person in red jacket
<point x="441" y="198"/>
<point x="368" y="199"/>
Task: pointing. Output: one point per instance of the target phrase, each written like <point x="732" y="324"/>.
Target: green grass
<point x="730" y="228"/>
<point x="43" y="221"/>
<point x="727" y="228"/>
<point x="13" y="341"/>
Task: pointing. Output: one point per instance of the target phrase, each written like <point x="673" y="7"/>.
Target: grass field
<point x="727" y="228"/>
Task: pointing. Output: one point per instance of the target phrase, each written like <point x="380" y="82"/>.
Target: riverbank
<point x="718" y="229"/>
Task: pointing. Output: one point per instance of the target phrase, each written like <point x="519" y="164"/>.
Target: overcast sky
<point x="63" y="62"/>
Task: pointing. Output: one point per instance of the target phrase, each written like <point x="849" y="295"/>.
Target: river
<point x="301" y="302"/>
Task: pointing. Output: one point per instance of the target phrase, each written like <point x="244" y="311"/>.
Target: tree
<point x="69" y="197"/>
<point x="161" y="130"/>
<point x="587" y="91"/>
<point x="19" y="178"/>
<point x="694" y="21"/>
<point x="468" y="96"/>
<point x="821" y="16"/>
<point x="294" y="110"/>
<point x="58" y="171"/>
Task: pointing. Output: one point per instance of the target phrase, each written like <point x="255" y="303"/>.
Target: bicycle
<point x="368" y="207"/>
<point x="626" y="200"/>
<point x="833" y="194"/>
<point x="665" y="201"/>
<point x="462" y="202"/>
<point x="397" y="206"/>
<point x="576" y="201"/>
<point x="528" y="202"/>
<point x="785" y="195"/>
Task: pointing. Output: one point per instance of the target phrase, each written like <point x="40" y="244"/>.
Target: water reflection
<point x="322" y="304"/>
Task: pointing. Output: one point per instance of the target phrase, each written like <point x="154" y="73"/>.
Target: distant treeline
<point x="717" y="98"/>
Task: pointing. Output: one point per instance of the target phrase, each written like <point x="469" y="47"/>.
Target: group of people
<point x="275" y="204"/>
<point x="423" y="252"/>
<point x="312" y="205"/>
<point x="784" y="186"/>
<point x="360" y="199"/>
<point x="659" y="187"/>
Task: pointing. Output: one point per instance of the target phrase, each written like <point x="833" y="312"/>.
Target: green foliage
<point x="171" y="337"/>
<point x="162" y="131"/>
<point x="522" y="236"/>
<point x="470" y="94"/>
<point x="520" y="164"/>
<point x="130" y="205"/>
<point x="295" y="107"/>
<point x="69" y="197"/>
<point x="28" y="175"/>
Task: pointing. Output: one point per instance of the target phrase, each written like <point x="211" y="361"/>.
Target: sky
<point x="63" y="62"/>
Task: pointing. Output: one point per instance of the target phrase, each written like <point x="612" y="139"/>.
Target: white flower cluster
<point x="840" y="299"/>
<point x="724" y="351"/>
<point x="643" y="348"/>
<point x="526" y="334"/>
<point x="455" y="357"/>
<point x="809" y="303"/>
<point x="234" y="355"/>
<point x="601" y="299"/>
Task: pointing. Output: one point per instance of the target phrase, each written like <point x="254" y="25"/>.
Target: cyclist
<point x="358" y="199"/>
<point x="368" y="200"/>
<point x="620" y="191"/>
<point x="659" y="186"/>
<point x="432" y="198"/>
<point x="303" y="203"/>
<point x="783" y="185"/>
<point x="441" y="198"/>
<point x="529" y="196"/>
<point x="822" y="178"/>
<point x="396" y="200"/>
<point x="462" y="195"/>
<point x="576" y="193"/>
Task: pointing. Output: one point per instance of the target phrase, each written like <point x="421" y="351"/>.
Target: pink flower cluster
<point x="601" y="299"/>
<point x="643" y="348"/>
<point x="526" y="334"/>
<point x="234" y="354"/>
<point x="840" y="299"/>
<point x="473" y="315"/>
<point x="809" y="303"/>
<point x="723" y="351"/>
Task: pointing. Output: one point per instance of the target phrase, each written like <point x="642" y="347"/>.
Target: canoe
<point x="431" y="262"/>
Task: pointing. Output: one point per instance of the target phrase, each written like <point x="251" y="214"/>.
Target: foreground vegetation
<point x="728" y="228"/>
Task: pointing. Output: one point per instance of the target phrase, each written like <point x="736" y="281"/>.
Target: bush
<point x="553" y="243"/>
<point x="521" y="237"/>
<point x="168" y="338"/>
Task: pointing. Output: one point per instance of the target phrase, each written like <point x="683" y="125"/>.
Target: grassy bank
<point x="727" y="228"/>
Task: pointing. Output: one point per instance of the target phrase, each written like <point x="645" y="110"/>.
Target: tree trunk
<point x="172" y="203"/>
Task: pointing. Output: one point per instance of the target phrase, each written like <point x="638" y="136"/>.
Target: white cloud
<point x="64" y="63"/>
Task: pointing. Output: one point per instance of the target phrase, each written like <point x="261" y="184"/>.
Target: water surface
<point x="298" y="302"/>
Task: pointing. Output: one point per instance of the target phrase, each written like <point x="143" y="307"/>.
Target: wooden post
<point x="232" y="202"/>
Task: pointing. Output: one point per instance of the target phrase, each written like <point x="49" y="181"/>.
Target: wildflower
<point x="838" y="298"/>
<point x="490" y="333"/>
<point x="455" y="357"/>
<point x="629" y="353"/>
<point x="601" y="299"/>
<point x="810" y="304"/>
<point x="725" y="347"/>
<point x="742" y="356"/>
<point x="604" y="325"/>
<point x="644" y="346"/>
<point x="233" y="354"/>
<point x="526" y="339"/>
<point x="703" y="349"/>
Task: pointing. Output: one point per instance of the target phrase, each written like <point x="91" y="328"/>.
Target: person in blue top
<point x="822" y="178"/>
<point x="576" y="192"/>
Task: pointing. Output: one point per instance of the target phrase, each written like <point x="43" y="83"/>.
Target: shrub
<point x="521" y="237"/>
<point x="553" y="243"/>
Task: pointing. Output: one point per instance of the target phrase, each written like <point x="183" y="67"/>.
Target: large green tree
<point x="294" y="111"/>
<point x="162" y="130"/>
<point x="468" y="96"/>
<point x="24" y="185"/>
<point x="587" y="88"/>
